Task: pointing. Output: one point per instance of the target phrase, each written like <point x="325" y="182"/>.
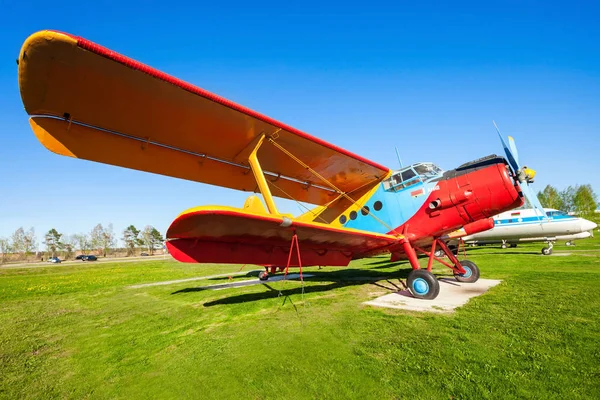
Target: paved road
<point x="75" y="262"/>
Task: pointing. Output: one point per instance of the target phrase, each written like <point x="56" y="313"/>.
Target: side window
<point x="408" y="174"/>
<point x="401" y="180"/>
<point x="409" y="177"/>
<point x="394" y="182"/>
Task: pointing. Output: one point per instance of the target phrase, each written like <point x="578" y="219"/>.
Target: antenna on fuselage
<point x="398" y="155"/>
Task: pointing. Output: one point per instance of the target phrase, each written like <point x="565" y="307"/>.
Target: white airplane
<point x="527" y="225"/>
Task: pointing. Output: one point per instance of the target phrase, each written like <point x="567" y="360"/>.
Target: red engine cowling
<point x="463" y="197"/>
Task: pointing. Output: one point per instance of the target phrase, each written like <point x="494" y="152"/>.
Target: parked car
<point x="144" y="254"/>
<point x="89" y="258"/>
<point x="80" y="257"/>
<point x="54" y="260"/>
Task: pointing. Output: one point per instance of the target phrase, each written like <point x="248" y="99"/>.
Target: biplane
<point x="86" y="101"/>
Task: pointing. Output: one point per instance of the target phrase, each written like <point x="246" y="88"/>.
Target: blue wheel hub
<point x="468" y="272"/>
<point x="420" y="286"/>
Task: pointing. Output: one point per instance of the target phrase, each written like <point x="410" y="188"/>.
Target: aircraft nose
<point x="587" y="225"/>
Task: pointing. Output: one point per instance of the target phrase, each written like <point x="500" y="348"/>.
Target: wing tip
<point x="48" y="140"/>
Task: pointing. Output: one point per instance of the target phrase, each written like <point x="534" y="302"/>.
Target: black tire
<point x="471" y="274"/>
<point x="546" y="251"/>
<point x="423" y="284"/>
<point x="513" y="245"/>
<point x="263" y="275"/>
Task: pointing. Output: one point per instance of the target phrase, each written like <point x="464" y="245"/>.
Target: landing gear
<point x="471" y="274"/>
<point x="569" y="243"/>
<point x="263" y="275"/>
<point x="453" y="249"/>
<point x="440" y="253"/>
<point x="423" y="284"/>
<point x="548" y="250"/>
<point x="513" y="245"/>
<point x="504" y="244"/>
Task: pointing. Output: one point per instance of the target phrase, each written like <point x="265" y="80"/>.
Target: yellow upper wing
<point x="89" y="102"/>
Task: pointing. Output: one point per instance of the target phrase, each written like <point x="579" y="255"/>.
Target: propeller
<point x="524" y="175"/>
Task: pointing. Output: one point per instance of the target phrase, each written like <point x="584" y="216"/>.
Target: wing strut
<point x="260" y="177"/>
<point x="331" y="185"/>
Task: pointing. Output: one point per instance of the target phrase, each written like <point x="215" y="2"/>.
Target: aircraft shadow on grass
<point x="249" y="274"/>
<point x="341" y="279"/>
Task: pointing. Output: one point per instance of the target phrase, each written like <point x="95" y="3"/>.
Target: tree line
<point x="100" y="239"/>
<point x="578" y="199"/>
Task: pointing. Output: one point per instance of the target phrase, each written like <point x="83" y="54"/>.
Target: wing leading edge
<point x="89" y="102"/>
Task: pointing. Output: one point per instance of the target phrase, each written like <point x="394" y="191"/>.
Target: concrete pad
<point x="453" y="294"/>
<point x="250" y="282"/>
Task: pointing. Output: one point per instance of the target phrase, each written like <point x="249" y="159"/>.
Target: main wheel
<point x="439" y="253"/>
<point x="263" y="275"/>
<point x="570" y="243"/>
<point x="471" y="274"/>
<point x="423" y="284"/>
<point x="546" y="251"/>
<point x="513" y="245"/>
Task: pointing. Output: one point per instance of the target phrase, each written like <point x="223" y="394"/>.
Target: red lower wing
<point x="232" y="236"/>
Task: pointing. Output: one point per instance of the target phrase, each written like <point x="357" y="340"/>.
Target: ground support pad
<point x="453" y="294"/>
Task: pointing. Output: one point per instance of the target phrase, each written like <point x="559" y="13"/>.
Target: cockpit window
<point x="408" y="174"/>
<point x="427" y="170"/>
<point x="411" y="175"/>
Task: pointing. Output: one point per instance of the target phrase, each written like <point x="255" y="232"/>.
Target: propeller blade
<point x="513" y="148"/>
<point x="533" y="200"/>
<point x="512" y="155"/>
<point x="509" y="155"/>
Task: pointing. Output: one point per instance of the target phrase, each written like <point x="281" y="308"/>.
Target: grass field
<point x="82" y="332"/>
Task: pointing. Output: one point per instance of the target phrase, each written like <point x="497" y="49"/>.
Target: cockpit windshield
<point x="411" y="175"/>
<point x="427" y="170"/>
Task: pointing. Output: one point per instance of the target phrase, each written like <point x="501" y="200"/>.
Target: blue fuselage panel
<point x="397" y="207"/>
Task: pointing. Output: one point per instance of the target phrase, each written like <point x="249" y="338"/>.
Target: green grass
<point x="80" y="332"/>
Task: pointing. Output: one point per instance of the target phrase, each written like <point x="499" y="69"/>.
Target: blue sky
<point x="428" y="78"/>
